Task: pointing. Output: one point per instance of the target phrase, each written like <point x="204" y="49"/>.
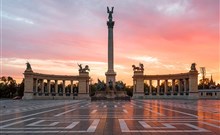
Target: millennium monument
<point x="45" y="86"/>
<point x="110" y="74"/>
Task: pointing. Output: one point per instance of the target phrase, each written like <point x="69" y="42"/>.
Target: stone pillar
<point x="150" y="82"/>
<point x="64" y="86"/>
<point x="48" y="86"/>
<point x="139" y="88"/>
<point x="36" y="85"/>
<point x="56" y="87"/>
<point x="173" y="87"/>
<point x="179" y="87"/>
<point x="158" y="87"/>
<point x="42" y="86"/>
<point x="83" y="85"/>
<point x="71" y="87"/>
<point x="110" y="74"/>
<point x="28" y="84"/>
<point x="185" y="86"/>
<point x="165" y="87"/>
<point x="193" y="84"/>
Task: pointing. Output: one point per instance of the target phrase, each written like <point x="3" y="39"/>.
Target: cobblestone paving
<point x="153" y="117"/>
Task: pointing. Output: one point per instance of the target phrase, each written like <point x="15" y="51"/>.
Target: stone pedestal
<point x="138" y="90"/>
<point x="193" y="84"/>
<point x="83" y="83"/>
<point x="110" y="76"/>
<point x="82" y="96"/>
<point x="28" y="84"/>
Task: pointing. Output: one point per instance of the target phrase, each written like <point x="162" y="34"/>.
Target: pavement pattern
<point x="138" y="117"/>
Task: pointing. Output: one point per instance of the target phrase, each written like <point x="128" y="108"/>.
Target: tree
<point x="204" y="83"/>
<point x="8" y="87"/>
<point x="21" y="89"/>
<point x="129" y="90"/>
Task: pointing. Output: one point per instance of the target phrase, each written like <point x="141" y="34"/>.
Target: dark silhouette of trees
<point x="8" y="87"/>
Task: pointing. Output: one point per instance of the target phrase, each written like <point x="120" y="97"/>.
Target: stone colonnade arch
<point x="187" y="85"/>
<point x="36" y="88"/>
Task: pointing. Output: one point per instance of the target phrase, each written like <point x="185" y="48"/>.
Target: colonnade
<point x="183" y="84"/>
<point x="40" y="88"/>
<point x="37" y="88"/>
<point x="177" y="87"/>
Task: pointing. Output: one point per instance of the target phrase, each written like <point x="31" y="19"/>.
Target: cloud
<point x="16" y="18"/>
<point x="147" y="59"/>
<point x="174" y="8"/>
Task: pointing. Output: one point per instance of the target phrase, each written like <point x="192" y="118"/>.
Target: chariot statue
<point x="101" y="86"/>
<point x="138" y="68"/>
<point x="83" y="70"/>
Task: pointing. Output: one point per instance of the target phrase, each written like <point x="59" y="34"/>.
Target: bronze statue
<point x="80" y="66"/>
<point x="193" y="67"/>
<point x="110" y="13"/>
<point x="28" y="66"/>
<point x="83" y="70"/>
<point x="140" y="68"/>
<point x="110" y="83"/>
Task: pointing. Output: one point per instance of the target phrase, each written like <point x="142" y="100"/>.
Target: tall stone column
<point x="64" y="86"/>
<point x="71" y="86"/>
<point x="158" y="87"/>
<point x="179" y="86"/>
<point x="110" y="74"/>
<point x="185" y="86"/>
<point x="42" y="86"/>
<point x="165" y="87"/>
<point x="150" y="81"/>
<point x="48" y="86"/>
<point x="56" y="87"/>
<point x="173" y="87"/>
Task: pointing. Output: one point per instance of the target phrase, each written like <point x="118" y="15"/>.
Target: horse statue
<point x="86" y="68"/>
<point x="28" y="66"/>
<point x="83" y="70"/>
<point x="140" y="68"/>
<point x="193" y="67"/>
<point x="101" y="86"/>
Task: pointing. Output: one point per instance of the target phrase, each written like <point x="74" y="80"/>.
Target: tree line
<point x="9" y="88"/>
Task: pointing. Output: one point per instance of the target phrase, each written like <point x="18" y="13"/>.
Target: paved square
<point x="110" y="117"/>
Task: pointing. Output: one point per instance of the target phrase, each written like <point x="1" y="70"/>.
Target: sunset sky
<point x="54" y="35"/>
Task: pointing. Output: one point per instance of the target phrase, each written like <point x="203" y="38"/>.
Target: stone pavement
<point x="153" y="117"/>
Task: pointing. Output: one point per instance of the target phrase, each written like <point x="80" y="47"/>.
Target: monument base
<point x="139" y="95"/>
<point x="28" y="95"/>
<point x="82" y="96"/>
<point x="110" y="77"/>
<point x="193" y="95"/>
